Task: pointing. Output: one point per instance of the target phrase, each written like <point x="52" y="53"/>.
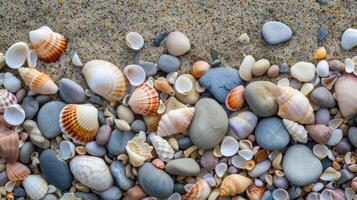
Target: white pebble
<point x="322" y="68"/>
<point x="245" y="69"/>
<point x="303" y="71"/>
<point x="11" y="82"/>
<point x="76" y="61"/>
<point x="283" y="82"/>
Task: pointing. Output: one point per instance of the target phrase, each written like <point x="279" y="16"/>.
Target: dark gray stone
<point x="30" y="106"/>
<point x="71" y="92"/>
<point x="25" y="152"/>
<point x="117" y="142"/>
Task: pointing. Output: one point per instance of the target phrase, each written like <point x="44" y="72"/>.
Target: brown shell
<point x="38" y="82"/>
<point x="234" y="184"/>
<point x="319" y="132"/>
<point x="6" y="99"/>
<point x="346" y="96"/>
<point x="199" y="191"/>
<point x="261" y="155"/>
<point x="235" y="98"/>
<point x="162" y="85"/>
<point x="199" y="68"/>
<point x="152" y="122"/>
<point x="9" y="145"/>
<point x="175" y="121"/>
<point x="17" y="171"/>
<point x="255" y="193"/>
<point x="144" y="100"/>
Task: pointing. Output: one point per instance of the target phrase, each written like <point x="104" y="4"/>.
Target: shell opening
<point x="135" y="74"/>
<point x="183" y="85"/>
<point x="16" y="55"/>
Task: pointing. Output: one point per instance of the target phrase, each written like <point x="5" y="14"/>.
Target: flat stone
<point x="275" y="32"/>
<point x="48" y="119"/>
<point x="71" y="92"/>
<point x="323" y="97"/>
<point x="183" y="167"/>
<point x="30" y="106"/>
<point x="349" y="39"/>
<point x="168" y="63"/>
<point x="149" y="68"/>
<point x="113" y="193"/>
<point x="25" y="152"/>
<point x="352" y="136"/>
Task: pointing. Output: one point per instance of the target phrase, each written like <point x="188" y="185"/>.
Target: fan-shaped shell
<point x="92" y="172"/>
<point x="35" y="186"/>
<point x="9" y="145"/>
<point x="293" y="105"/>
<point x="243" y="124"/>
<point x="162" y="148"/>
<point x="319" y="132"/>
<point x="138" y="151"/>
<point x="296" y="131"/>
<point x="38" y="82"/>
<point x="162" y="85"/>
<point x="105" y="79"/>
<point x="175" y="121"/>
<point x="255" y="192"/>
<point x="48" y="45"/>
<point x="234" y="184"/>
<point x="79" y="122"/>
<point x="199" y="68"/>
<point x="17" y="171"/>
<point x="144" y="100"/>
<point x="235" y="98"/>
<point x="346" y="96"/>
<point x="199" y="191"/>
<point x="6" y="99"/>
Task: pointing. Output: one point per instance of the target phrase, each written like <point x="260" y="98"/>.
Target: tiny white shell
<point x="171" y="77"/>
<point x="330" y="174"/>
<point x="327" y="194"/>
<point x="32" y="58"/>
<point x="199" y="88"/>
<point x="280" y="194"/>
<point x="135" y="74"/>
<point x="221" y="169"/>
<point x="76" y="61"/>
<point x="16" y="55"/>
<point x="229" y="146"/>
<point x="350" y="66"/>
<point x="134" y="40"/>
<point x="14" y="115"/>
<point x="35" y="186"/>
<point x="183" y="85"/>
<point x="67" y="150"/>
<point x="247" y="154"/>
<point x="320" y="151"/>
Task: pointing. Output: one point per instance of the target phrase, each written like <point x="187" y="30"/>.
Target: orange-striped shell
<point x="17" y="171"/>
<point x="199" y="191"/>
<point x="144" y="100"/>
<point x="9" y="145"/>
<point x="199" y="68"/>
<point x="162" y="85"/>
<point x="49" y="45"/>
<point x="6" y="99"/>
<point x="235" y="98"/>
<point x="255" y="192"/>
<point x="38" y="82"/>
<point x="234" y="184"/>
<point x="175" y="121"/>
<point x="79" y="122"/>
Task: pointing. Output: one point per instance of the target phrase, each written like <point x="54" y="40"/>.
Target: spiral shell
<point x="293" y="105"/>
<point x="138" y="151"/>
<point x="9" y="145"/>
<point x="235" y="98"/>
<point x="6" y="99"/>
<point x="17" y="171"/>
<point x="79" y="122"/>
<point x="144" y="100"/>
<point x="199" y="68"/>
<point x="234" y="184"/>
<point x="345" y="95"/>
<point x="48" y="45"/>
<point x="106" y="79"/>
<point x="162" y="85"/>
<point x="296" y="131"/>
<point x="255" y="192"/>
<point x="243" y="124"/>
<point x="35" y="186"/>
<point x="162" y="148"/>
<point x="175" y="121"/>
<point x="319" y="132"/>
<point x="38" y="82"/>
<point x="199" y="191"/>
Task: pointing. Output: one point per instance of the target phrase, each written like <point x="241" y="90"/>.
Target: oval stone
<point x="48" y="119"/>
<point x="275" y="32"/>
<point x="117" y="170"/>
<point x="183" y="167"/>
<point x="71" y="92"/>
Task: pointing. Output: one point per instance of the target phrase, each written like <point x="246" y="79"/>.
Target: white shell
<point x="183" y="85"/>
<point x="317" y="186"/>
<point x="35" y="186"/>
<point x="280" y="194"/>
<point x="162" y="148"/>
<point x="199" y="88"/>
<point x="335" y="138"/>
<point x="175" y="196"/>
<point x="327" y="194"/>
<point x="350" y="66"/>
<point x="171" y="77"/>
<point x="14" y="115"/>
<point x="134" y="40"/>
<point x="221" y="169"/>
<point x="67" y="150"/>
<point x="243" y="124"/>
<point x="16" y="55"/>
<point x="32" y="58"/>
<point x="320" y="151"/>
<point x="238" y="162"/>
<point x="247" y="154"/>
<point x="322" y="68"/>
<point x="177" y="43"/>
<point x="330" y="174"/>
<point x="76" y="61"/>
<point x="296" y="131"/>
<point x="135" y="74"/>
<point x="229" y="146"/>
<point x="11" y="82"/>
<point x="283" y="82"/>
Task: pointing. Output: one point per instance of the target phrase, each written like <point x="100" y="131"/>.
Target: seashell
<point x="199" y="68"/>
<point x="152" y="122"/>
<point x="183" y="85"/>
<point x="16" y="55"/>
<point x="235" y="98"/>
<point x="335" y="123"/>
<point x="328" y="82"/>
<point x="14" y="115"/>
<point x="354" y="184"/>
<point x="238" y="162"/>
<point x="221" y="169"/>
<point x="144" y="100"/>
<point x="35" y="186"/>
<point x="162" y="148"/>
<point x="245" y="144"/>
<point x="32" y="58"/>
<point x="199" y="88"/>
<point x="162" y="85"/>
<point x="313" y="196"/>
<point x="349" y="65"/>
<point x="306" y="88"/>
<point x="320" y="53"/>
<point x="229" y="146"/>
<point x="247" y="154"/>
<point x="67" y="150"/>
<point x="171" y="77"/>
<point x="17" y="171"/>
<point x="320" y="151"/>
<point x="345" y="97"/>
<point x="185" y="89"/>
<point x="76" y="61"/>
<point x="293" y="105"/>
<point x="319" y="132"/>
<point x="280" y="194"/>
<point x="327" y="194"/>
<point x="135" y="74"/>
<point x="255" y="192"/>
<point x="234" y="184"/>
<point x="177" y="43"/>
<point x="174" y="143"/>
<point x="38" y="82"/>
<point x="134" y="40"/>
<point x="250" y="165"/>
<point x="79" y="122"/>
<point x="175" y="196"/>
<point x="330" y="174"/>
<point x="296" y="131"/>
<point x="199" y="191"/>
<point x="349" y="193"/>
<point x="6" y="99"/>
<point x="105" y="79"/>
<point x="261" y="155"/>
<point x="92" y="172"/>
<point x="48" y="45"/>
<point x="243" y="124"/>
<point x="172" y="104"/>
<point x="175" y="121"/>
<point x="122" y="125"/>
<point x="138" y="151"/>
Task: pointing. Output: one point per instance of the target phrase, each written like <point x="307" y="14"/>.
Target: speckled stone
<point x="118" y="141"/>
<point x="208" y="161"/>
<point x="271" y="134"/>
<point x="48" y="119"/>
<point x="275" y="32"/>
<point x="117" y="170"/>
<point x="71" y="92"/>
<point x="168" y="63"/>
<point x="182" y="167"/>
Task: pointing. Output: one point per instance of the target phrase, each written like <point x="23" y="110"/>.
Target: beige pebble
<point x="303" y="71"/>
<point x="122" y="125"/>
<point x="125" y="113"/>
<point x="245" y="69"/>
<point x="244" y="38"/>
<point x="260" y="67"/>
<point x="273" y="71"/>
<point x="306" y="88"/>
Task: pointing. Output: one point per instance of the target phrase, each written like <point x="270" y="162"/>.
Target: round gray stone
<point x="168" y="63"/>
<point x="149" y="68"/>
<point x="275" y="32"/>
<point x="183" y="167"/>
<point x="48" y="119"/>
<point x="71" y="92"/>
<point x="25" y="152"/>
<point x="323" y="97"/>
<point x="30" y="106"/>
<point x="138" y="125"/>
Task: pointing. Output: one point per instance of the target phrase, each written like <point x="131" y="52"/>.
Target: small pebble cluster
<point x="148" y="132"/>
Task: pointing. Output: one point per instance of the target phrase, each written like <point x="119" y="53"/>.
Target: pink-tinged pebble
<point x="103" y="134"/>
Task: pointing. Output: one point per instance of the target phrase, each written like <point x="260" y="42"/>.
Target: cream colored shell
<point x="138" y="151"/>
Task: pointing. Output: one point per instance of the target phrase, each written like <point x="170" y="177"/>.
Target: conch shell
<point x="296" y="131"/>
<point x="346" y="96"/>
<point x="17" y="171"/>
<point x="106" y="79"/>
<point x="162" y="148"/>
<point x="293" y="105"/>
<point x="199" y="191"/>
<point x="255" y="193"/>
<point x="9" y="145"/>
<point x="175" y="121"/>
<point x="319" y="132"/>
<point x="144" y="100"/>
<point x="162" y="85"/>
<point x="38" y="82"/>
<point x="6" y="99"/>
<point x="234" y="184"/>
<point x="138" y="151"/>
<point x="235" y="98"/>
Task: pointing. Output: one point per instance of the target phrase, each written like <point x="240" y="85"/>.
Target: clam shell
<point x="152" y="122"/>
<point x="9" y="145"/>
<point x="105" y="79"/>
<point x="175" y="121"/>
<point x="38" y="82"/>
<point x="135" y="74"/>
<point x="134" y="40"/>
<point x="177" y="43"/>
<point x="296" y="131"/>
<point x="162" y="148"/>
<point x="247" y="154"/>
<point x="144" y="100"/>
<point x="199" y="68"/>
<point x="345" y="96"/>
<point x="238" y="162"/>
<point x="199" y="191"/>
<point x="67" y="150"/>
<point x="14" y="115"/>
<point x="234" y="184"/>
<point x="235" y="98"/>
<point x="79" y="122"/>
<point x="48" y="45"/>
<point x="330" y="174"/>
<point x="17" y="171"/>
<point x="182" y="94"/>
<point x="320" y="151"/>
<point x="162" y="85"/>
<point x="91" y="172"/>
<point x="6" y="99"/>
<point x="280" y="194"/>
<point x="183" y="85"/>
<point x="138" y="151"/>
<point x="32" y="58"/>
<point x="293" y="105"/>
<point x="16" y="55"/>
<point x="255" y="192"/>
<point x="76" y="61"/>
<point x="35" y="186"/>
<point x="349" y="65"/>
<point x="243" y="124"/>
<point x="229" y="146"/>
<point x="319" y="132"/>
<point x="221" y="169"/>
<point x="261" y="155"/>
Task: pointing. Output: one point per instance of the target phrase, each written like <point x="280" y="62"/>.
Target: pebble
<point x="260" y="168"/>
<point x="273" y="71"/>
<point x="246" y="67"/>
<point x="71" y="92"/>
<point x="295" y="84"/>
<point x="322" y="116"/>
<point x="352" y="136"/>
<point x="219" y="81"/>
<point x="125" y="113"/>
<point x="138" y="125"/>
<point x="295" y="168"/>
<point x="336" y="137"/>
<point x="322" y="96"/>
<point x="135" y="193"/>
<point x="86" y="196"/>
<point x="103" y="134"/>
<point x="207" y="131"/>
<point x="346" y="175"/>
<point x="149" y="68"/>
<point x="260" y="67"/>
<point x="118" y="141"/>
<point x="117" y="170"/>
<point x="261" y="98"/>
<point x="159" y="38"/>
<point x="283" y="68"/>
<point x="20" y="95"/>
<point x="25" y="152"/>
<point x="271" y="134"/>
<point x="322" y="68"/>
<point x="184" y="143"/>
<point x="275" y="32"/>
<point x="96" y="100"/>
<point x="48" y="118"/>
<point x="168" y="63"/>
<point x="344" y="146"/>
<point x="3" y="178"/>
<point x="164" y="185"/>
<point x="321" y="34"/>
<point x="11" y="82"/>
<point x="303" y="71"/>
<point x="49" y="197"/>
<point x="349" y="39"/>
<point x="208" y="160"/>
<point x="183" y="167"/>
<point x="95" y="150"/>
<point x="320" y="53"/>
<point x="43" y="99"/>
<point x="113" y="193"/>
<point x="30" y="106"/>
<point x="336" y="65"/>
<point x="244" y="38"/>
<point x="19" y="192"/>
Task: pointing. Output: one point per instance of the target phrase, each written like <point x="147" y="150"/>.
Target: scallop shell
<point x="76" y="61"/>
<point x="17" y="171"/>
<point x="14" y="115"/>
<point x="199" y="191"/>
<point x="135" y="74"/>
<point x="32" y="58"/>
<point x="6" y="99"/>
<point x="280" y="194"/>
<point x="234" y="184"/>
<point x="293" y="105"/>
<point x="162" y="148"/>
<point x="345" y="95"/>
<point x="92" y="172"/>
<point x="16" y="55"/>
<point x="235" y="98"/>
<point x="48" y="45"/>
<point x="175" y="121"/>
<point x="138" y="151"/>
<point x="35" y="186"/>
<point x="134" y="40"/>
<point x="320" y="151"/>
<point x="105" y="79"/>
<point x="183" y="85"/>
<point x="79" y="122"/>
<point x="162" y="85"/>
<point x="152" y="122"/>
<point x="255" y="192"/>
<point x="243" y="124"/>
<point x="9" y="145"/>
<point x="199" y="68"/>
<point x="38" y="82"/>
<point x="229" y="146"/>
<point x="144" y="100"/>
<point x="296" y="131"/>
<point x="177" y="43"/>
<point x="319" y="132"/>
